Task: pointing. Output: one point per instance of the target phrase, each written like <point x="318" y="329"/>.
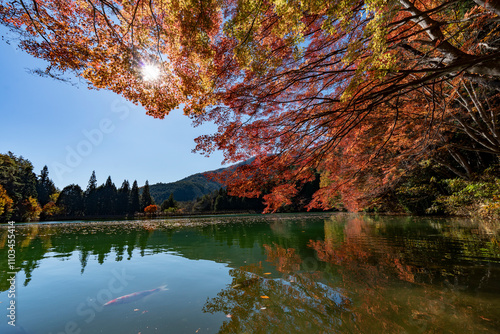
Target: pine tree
<point x="27" y="178"/>
<point x="169" y="203"/>
<point x="123" y="198"/>
<point x="146" y="198"/>
<point x="134" y="201"/>
<point x="90" y="196"/>
<point x="107" y="198"/>
<point x="45" y="187"/>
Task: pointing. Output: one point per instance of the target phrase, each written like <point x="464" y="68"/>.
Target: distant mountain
<point x="187" y="189"/>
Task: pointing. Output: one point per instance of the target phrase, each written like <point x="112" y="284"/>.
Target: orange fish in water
<point x="135" y="296"/>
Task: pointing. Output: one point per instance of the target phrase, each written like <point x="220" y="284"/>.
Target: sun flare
<point x="150" y="72"/>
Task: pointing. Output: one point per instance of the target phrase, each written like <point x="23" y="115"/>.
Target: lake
<point x="287" y="273"/>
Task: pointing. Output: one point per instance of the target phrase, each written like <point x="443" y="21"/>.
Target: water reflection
<point x="371" y="277"/>
<point x="414" y="278"/>
<point x="294" y="303"/>
<point x="203" y="239"/>
<point x="305" y="274"/>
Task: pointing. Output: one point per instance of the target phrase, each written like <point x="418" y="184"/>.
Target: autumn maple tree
<point x="5" y="203"/>
<point x="352" y="91"/>
<point x="151" y="209"/>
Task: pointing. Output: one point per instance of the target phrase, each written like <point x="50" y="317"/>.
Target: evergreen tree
<point x="204" y="203"/>
<point x="107" y="198"/>
<point x="19" y="182"/>
<point x="91" y="200"/>
<point x="221" y="202"/>
<point x="164" y="205"/>
<point x="9" y="180"/>
<point x="169" y="203"/>
<point x="71" y="200"/>
<point x="123" y="198"/>
<point x="99" y="194"/>
<point x="45" y="187"/>
<point x="146" y="198"/>
<point x="134" y="201"/>
<point x="26" y="177"/>
<point x="8" y="177"/>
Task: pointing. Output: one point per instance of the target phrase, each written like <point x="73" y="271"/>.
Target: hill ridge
<point x="190" y="187"/>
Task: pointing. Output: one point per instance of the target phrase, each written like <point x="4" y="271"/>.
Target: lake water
<point x="311" y="273"/>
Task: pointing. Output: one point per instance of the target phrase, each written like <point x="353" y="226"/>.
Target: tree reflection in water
<point x="297" y="302"/>
<point x="346" y="274"/>
<point x="361" y="281"/>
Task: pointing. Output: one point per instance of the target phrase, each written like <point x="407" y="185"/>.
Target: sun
<point x="150" y="72"/>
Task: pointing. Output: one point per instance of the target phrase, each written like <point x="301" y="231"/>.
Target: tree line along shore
<point x="429" y="190"/>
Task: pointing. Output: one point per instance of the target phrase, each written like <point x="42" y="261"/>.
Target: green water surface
<point x="310" y="273"/>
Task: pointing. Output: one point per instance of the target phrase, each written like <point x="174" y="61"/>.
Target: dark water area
<point x="307" y="273"/>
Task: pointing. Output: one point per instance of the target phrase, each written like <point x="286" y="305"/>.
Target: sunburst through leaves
<point x="150" y="72"/>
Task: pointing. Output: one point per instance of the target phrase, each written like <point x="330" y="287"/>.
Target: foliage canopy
<point x="352" y="89"/>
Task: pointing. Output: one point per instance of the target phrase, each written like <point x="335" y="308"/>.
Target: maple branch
<point x="131" y="23"/>
<point x="157" y="25"/>
<point x="454" y="56"/>
<point x="103" y="13"/>
<point x="34" y="23"/>
<point x="491" y="5"/>
<point x="450" y="167"/>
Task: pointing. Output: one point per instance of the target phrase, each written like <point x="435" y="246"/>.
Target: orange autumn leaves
<point x="151" y="209"/>
<point x="5" y="202"/>
<point x="350" y="92"/>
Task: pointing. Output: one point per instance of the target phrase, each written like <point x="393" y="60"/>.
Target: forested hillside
<point x="187" y="189"/>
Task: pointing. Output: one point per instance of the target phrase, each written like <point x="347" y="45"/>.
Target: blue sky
<point x="74" y="130"/>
